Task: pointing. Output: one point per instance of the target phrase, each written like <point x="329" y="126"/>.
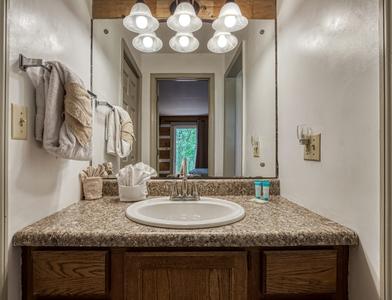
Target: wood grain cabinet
<point x="199" y="274"/>
<point x="188" y="276"/>
<point x="68" y="274"/>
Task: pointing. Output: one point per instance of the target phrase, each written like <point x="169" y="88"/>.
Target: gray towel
<point x="56" y="135"/>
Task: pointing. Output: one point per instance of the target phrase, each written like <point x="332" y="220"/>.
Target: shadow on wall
<point x="361" y="275"/>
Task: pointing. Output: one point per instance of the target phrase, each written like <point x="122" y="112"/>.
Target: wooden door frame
<point x="3" y="149"/>
<point x="386" y="147"/>
<point x="154" y="114"/>
<point x="130" y="60"/>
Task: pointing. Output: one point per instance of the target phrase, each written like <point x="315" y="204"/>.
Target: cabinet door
<point x="69" y="274"/>
<point x="186" y="276"/>
<point x="300" y="272"/>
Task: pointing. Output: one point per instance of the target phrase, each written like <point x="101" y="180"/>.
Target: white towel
<point x="134" y="175"/>
<point x="50" y="127"/>
<point x="115" y="143"/>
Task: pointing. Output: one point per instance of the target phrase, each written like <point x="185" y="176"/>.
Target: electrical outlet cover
<point x="313" y="150"/>
<point x="19" y="122"/>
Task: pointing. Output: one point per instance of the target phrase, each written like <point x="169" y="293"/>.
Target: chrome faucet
<point x="186" y="191"/>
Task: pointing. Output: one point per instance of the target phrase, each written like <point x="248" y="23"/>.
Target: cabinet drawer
<point x="300" y="272"/>
<point x="69" y="273"/>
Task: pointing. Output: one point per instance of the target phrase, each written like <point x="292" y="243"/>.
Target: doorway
<point x="182" y="124"/>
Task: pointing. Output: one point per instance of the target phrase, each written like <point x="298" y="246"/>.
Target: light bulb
<point x="222" y="41"/>
<point x="184" y="20"/>
<point x="230" y="21"/>
<point x="184" y="41"/>
<point x="148" y="42"/>
<point x="141" y="22"/>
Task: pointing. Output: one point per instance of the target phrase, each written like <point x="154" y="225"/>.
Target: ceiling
<point x="252" y="9"/>
<point x="183" y="98"/>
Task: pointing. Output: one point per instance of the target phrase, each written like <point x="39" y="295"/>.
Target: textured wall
<point x="38" y="183"/>
<point x="328" y="77"/>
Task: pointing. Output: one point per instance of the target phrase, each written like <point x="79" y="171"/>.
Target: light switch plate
<point x="19" y="122"/>
<point x="313" y="150"/>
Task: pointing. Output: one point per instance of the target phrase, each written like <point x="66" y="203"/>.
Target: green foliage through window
<point x="186" y="147"/>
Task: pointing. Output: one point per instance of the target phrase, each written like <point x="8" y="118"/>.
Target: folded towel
<point x="134" y="175"/>
<point x="119" y="132"/>
<point x="64" y="113"/>
<point x="132" y="181"/>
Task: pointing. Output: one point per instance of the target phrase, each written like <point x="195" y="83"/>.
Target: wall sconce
<point x="312" y="142"/>
<point x="303" y="134"/>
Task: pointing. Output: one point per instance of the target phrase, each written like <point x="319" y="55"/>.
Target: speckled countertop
<point x="102" y="223"/>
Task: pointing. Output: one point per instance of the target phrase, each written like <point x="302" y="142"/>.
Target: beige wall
<point x="40" y="184"/>
<point x="328" y="77"/>
<point x="259" y="96"/>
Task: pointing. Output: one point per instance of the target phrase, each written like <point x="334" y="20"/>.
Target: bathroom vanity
<point x="279" y="250"/>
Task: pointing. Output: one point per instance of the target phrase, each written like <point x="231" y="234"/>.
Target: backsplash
<point x="209" y="187"/>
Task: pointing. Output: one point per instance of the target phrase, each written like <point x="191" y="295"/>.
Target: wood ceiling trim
<point x="252" y="9"/>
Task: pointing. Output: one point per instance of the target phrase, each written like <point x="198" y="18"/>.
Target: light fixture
<point x="140" y="19"/>
<point x="184" y="19"/>
<point x="147" y="42"/>
<point x="184" y="42"/>
<point x="222" y="42"/>
<point x="230" y="18"/>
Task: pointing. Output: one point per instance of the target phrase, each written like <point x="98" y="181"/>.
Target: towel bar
<point x="25" y="63"/>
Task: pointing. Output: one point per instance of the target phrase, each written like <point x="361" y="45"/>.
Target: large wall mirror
<point x="218" y="111"/>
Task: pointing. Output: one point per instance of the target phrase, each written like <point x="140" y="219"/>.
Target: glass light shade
<point x="140" y="19"/>
<point x="184" y="42"/>
<point x="184" y="19"/>
<point x="147" y="42"/>
<point x="222" y="42"/>
<point x="230" y="19"/>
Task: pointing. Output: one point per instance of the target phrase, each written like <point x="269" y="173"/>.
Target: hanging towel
<point x="64" y="113"/>
<point x="77" y="106"/>
<point x="119" y="132"/>
<point x="39" y="78"/>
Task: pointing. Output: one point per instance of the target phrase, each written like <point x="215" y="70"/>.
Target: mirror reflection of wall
<point x="201" y="106"/>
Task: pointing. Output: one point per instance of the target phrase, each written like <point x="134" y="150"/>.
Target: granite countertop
<point x="102" y="223"/>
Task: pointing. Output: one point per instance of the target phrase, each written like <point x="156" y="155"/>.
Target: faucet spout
<point x="184" y="168"/>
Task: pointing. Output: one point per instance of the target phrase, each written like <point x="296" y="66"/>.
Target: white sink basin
<point x="207" y="212"/>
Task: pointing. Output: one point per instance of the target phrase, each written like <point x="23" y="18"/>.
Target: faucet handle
<point x="195" y="191"/>
<point x="174" y="190"/>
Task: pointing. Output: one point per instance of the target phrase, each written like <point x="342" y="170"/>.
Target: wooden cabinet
<point x="69" y="274"/>
<point x="191" y="274"/>
<point x="300" y="272"/>
<point x="187" y="275"/>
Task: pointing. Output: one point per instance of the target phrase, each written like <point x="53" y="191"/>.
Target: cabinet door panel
<point x="190" y="276"/>
<point x="300" y="272"/>
<point x="69" y="273"/>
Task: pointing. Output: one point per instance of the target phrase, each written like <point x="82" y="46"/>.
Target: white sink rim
<point x="236" y="214"/>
